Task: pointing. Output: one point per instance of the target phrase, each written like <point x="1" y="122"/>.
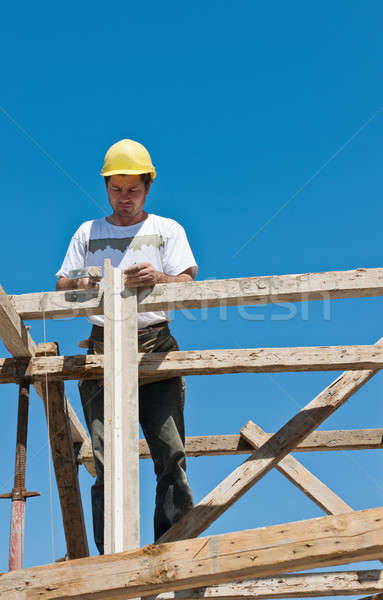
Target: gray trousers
<point x="161" y="406"/>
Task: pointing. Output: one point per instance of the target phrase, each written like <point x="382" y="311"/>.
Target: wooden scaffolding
<point x="257" y="563"/>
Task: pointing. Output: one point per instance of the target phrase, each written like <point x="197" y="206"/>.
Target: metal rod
<point x="16" y="541"/>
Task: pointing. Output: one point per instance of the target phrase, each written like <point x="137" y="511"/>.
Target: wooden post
<point x="64" y="460"/>
<point x="121" y="460"/>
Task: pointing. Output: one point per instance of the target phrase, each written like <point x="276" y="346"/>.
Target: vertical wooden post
<point x="121" y="459"/>
<point x="64" y="460"/>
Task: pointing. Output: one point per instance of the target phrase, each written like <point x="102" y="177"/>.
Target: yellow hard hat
<point x="127" y="157"/>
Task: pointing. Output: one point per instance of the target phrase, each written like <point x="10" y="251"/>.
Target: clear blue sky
<point x="263" y="122"/>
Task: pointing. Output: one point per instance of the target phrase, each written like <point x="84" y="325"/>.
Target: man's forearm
<point x="80" y="283"/>
<point x="184" y="277"/>
<point x="72" y="284"/>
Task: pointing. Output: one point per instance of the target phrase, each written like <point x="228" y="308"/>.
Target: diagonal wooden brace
<point x="301" y="477"/>
<point x="268" y="455"/>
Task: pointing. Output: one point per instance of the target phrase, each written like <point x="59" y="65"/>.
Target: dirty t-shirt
<point x="157" y="240"/>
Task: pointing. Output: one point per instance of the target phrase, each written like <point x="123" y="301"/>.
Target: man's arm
<point x="83" y="283"/>
<point x="145" y="275"/>
<point x="184" y="276"/>
<point x="142" y="275"/>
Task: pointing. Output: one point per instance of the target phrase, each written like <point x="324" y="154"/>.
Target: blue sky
<point x="264" y="121"/>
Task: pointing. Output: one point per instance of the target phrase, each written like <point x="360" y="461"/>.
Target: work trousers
<point x="161" y="406"/>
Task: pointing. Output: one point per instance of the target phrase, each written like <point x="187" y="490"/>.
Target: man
<point x="149" y="249"/>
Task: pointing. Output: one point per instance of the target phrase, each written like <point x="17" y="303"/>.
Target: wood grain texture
<point x="358" y="283"/>
<point x="65" y="464"/>
<point x="198" y="362"/>
<point x="301" y="585"/>
<point x="268" y="455"/>
<point x="121" y="469"/>
<point x="202" y="562"/>
<point x="20" y="344"/>
<point x="232" y="444"/>
<point x="298" y="475"/>
<point x="13" y="332"/>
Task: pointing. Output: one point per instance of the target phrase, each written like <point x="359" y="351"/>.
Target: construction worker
<point x="150" y="249"/>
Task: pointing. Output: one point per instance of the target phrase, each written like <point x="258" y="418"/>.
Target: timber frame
<point x="248" y="564"/>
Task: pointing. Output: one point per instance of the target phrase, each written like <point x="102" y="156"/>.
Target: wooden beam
<point x="121" y="469"/>
<point x="207" y="561"/>
<point x="64" y="462"/>
<point x="342" y="439"/>
<point x="268" y="455"/>
<point x="358" y="283"/>
<point x="231" y="444"/>
<point x="198" y="362"/>
<point x="301" y="585"/>
<point x="13" y="332"/>
<point x="261" y="360"/>
<point x="299" y="476"/>
<point x="20" y="344"/>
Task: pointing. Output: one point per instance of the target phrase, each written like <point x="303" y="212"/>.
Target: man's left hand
<point x="141" y="275"/>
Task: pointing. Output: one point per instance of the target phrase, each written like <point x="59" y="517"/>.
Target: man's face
<point x="127" y="195"/>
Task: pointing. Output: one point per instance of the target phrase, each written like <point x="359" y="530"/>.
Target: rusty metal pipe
<point x="16" y="539"/>
<point x="19" y="493"/>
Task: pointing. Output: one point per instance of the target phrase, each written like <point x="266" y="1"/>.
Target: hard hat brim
<point x="127" y="172"/>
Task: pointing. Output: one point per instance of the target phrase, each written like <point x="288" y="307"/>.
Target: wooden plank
<point x="198" y="362"/>
<point x="342" y="439"/>
<point x="232" y="444"/>
<point x="358" y="283"/>
<point x="13" y="332"/>
<point x="207" y="561"/>
<point x="268" y="455"/>
<point x="301" y="585"/>
<point x="299" y="476"/>
<point x="65" y="465"/>
<point x="121" y="468"/>
<point x="20" y="344"/>
<point x="261" y="360"/>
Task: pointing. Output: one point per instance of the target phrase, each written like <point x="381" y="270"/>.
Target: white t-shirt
<point x="158" y="240"/>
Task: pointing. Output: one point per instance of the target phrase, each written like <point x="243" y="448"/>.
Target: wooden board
<point x="358" y="283"/>
<point x="121" y="470"/>
<point x="232" y="444"/>
<point x="64" y="463"/>
<point x="202" y="562"/>
<point x="13" y="332"/>
<point x="299" y="476"/>
<point x="199" y="362"/>
<point x="20" y="344"/>
<point x="301" y="585"/>
<point x="268" y="455"/>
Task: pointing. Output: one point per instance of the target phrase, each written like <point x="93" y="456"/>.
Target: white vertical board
<point x="121" y="459"/>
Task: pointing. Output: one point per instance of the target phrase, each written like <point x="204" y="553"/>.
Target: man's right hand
<point x="84" y="283"/>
